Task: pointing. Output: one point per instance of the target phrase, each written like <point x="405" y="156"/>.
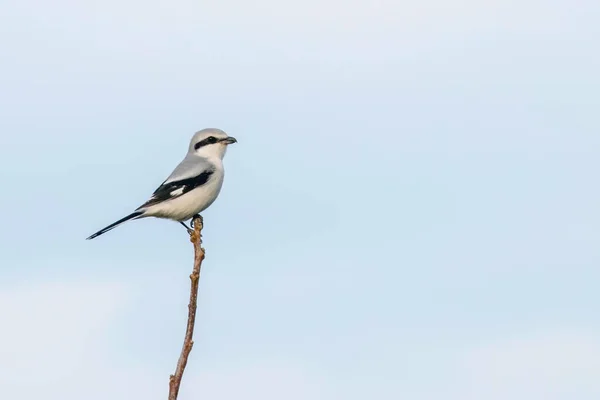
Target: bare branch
<point x="196" y="239"/>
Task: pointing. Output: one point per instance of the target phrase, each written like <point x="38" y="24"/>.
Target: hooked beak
<point x="229" y="140"/>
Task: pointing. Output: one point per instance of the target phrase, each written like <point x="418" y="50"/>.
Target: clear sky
<point x="411" y="211"/>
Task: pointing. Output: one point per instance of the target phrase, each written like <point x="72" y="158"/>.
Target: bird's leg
<point x="189" y="230"/>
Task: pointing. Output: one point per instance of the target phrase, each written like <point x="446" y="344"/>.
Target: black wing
<point x="175" y="189"/>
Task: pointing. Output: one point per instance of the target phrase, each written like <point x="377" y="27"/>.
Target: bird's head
<point x="210" y="143"/>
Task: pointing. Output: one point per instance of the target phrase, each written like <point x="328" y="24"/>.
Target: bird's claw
<point x="197" y="217"/>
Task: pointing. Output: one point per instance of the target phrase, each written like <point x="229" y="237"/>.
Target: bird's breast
<point x="191" y="203"/>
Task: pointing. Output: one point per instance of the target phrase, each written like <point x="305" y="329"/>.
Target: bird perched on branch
<point x="192" y="187"/>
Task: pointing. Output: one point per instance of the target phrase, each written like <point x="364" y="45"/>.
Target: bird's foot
<point x="199" y="218"/>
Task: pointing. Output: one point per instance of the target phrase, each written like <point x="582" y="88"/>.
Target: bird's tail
<point x="115" y="224"/>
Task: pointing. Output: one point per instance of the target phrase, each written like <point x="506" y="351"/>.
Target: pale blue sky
<point x="411" y="210"/>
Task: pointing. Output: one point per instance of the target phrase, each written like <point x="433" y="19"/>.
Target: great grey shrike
<point x="192" y="186"/>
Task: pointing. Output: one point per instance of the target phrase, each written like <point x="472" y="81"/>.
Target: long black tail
<point x="115" y="224"/>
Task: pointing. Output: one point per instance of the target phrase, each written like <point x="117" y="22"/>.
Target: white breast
<point x="191" y="203"/>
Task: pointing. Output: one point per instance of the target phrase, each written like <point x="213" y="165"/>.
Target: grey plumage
<point x="192" y="186"/>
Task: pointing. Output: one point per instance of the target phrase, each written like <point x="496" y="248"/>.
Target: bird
<point x="192" y="186"/>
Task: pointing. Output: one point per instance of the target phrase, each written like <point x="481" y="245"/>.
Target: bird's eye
<point x="204" y="142"/>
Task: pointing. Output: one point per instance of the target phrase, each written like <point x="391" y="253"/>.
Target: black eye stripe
<point x="204" y="142"/>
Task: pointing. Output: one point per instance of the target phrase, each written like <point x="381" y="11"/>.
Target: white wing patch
<point x="176" y="192"/>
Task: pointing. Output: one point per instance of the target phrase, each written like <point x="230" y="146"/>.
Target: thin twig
<point x="196" y="239"/>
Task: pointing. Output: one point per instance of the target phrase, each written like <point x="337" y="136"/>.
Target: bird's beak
<point x="229" y="140"/>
